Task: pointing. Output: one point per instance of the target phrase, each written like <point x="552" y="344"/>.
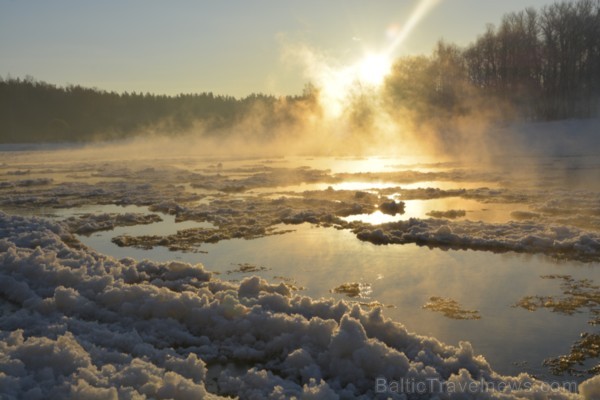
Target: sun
<point x="373" y="68"/>
<point x="338" y="82"/>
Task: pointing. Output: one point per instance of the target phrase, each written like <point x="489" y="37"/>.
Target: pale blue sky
<point x="227" y="47"/>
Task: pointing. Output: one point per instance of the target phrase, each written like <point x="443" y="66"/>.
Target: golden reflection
<point x="448" y="185"/>
<point x="475" y="211"/>
<point x="373" y="164"/>
<point x="375" y="218"/>
<point x="363" y="185"/>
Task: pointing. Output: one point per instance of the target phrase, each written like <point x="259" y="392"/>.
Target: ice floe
<point x="527" y="237"/>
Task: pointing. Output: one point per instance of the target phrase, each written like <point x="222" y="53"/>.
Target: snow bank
<point x="555" y="138"/>
<point x="75" y="323"/>
<point x="25" y="183"/>
<point x="529" y="237"/>
<point x="88" y="223"/>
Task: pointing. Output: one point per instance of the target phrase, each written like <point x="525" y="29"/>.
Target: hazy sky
<point x="228" y="47"/>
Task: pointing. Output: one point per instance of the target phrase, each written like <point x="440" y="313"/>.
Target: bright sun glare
<point x="338" y="83"/>
<point x="373" y="69"/>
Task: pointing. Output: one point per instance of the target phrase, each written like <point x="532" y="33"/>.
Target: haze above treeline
<point x="537" y="65"/>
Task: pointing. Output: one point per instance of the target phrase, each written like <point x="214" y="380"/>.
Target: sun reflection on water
<point x="474" y="211"/>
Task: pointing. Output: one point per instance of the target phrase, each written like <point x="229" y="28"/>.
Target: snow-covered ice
<point x="77" y="323"/>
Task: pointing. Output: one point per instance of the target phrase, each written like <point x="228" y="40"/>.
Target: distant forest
<point x="32" y="111"/>
<point x="536" y="65"/>
<point x="541" y="65"/>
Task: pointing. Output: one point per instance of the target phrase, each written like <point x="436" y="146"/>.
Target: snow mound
<point x="528" y="237"/>
<point x="90" y="223"/>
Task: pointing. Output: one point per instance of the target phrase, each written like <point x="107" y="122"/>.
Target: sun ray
<point x="422" y="9"/>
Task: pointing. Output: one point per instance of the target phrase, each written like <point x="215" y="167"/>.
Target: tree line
<point x="32" y="111"/>
<point x="538" y="65"/>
